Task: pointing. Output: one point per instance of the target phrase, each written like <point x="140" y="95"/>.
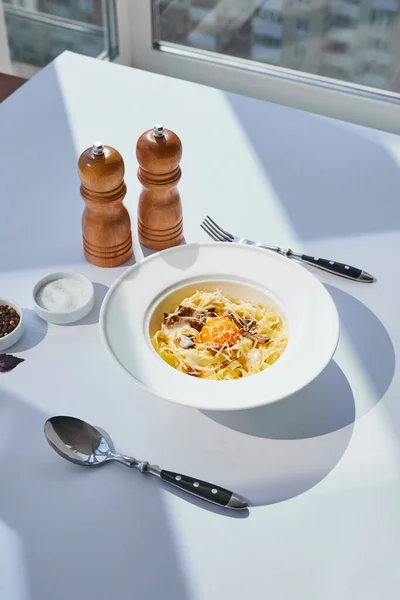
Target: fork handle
<point x="334" y="267"/>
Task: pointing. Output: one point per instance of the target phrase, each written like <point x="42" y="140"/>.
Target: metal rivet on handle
<point x="214" y="491"/>
<point x="178" y="477"/>
<point x="196" y="484"/>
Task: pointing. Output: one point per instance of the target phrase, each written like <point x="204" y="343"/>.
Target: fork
<point x="221" y="235"/>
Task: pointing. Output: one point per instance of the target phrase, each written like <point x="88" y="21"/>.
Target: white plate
<point x="135" y="303"/>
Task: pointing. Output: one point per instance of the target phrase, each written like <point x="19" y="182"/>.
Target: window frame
<point x="28" y="14"/>
<point x="320" y="95"/>
<point x="5" y="60"/>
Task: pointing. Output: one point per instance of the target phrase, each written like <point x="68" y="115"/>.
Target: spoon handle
<point x="204" y="490"/>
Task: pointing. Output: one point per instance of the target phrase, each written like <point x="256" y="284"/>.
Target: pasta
<point x="213" y="336"/>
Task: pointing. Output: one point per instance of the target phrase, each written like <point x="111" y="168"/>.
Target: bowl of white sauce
<point x="63" y="297"/>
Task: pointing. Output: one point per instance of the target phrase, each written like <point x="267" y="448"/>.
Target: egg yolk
<point x="220" y="331"/>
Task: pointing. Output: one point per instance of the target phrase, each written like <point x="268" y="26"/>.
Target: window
<point x="374" y="80"/>
<point x="86" y="5"/>
<point x="241" y="28"/>
<point x="380" y="44"/>
<point x="300" y="52"/>
<point x="269" y="15"/>
<point x="40" y="30"/>
<point x="336" y="46"/>
<point x="58" y="9"/>
<point x="342" y="21"/>
<point x="25" y="25"/>
<point x="264" y="40"/>
<point x="301" y="26"/>
<point x="333" y="71"/>
<point x="313" y="56"/>
<point x="381" y="17"/>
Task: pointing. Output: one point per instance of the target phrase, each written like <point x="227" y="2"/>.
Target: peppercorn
<point x="9" y="320"/>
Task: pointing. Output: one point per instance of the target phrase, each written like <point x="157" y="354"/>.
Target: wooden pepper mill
<point x="159" y="152"/>
<point x="106" y="226"/>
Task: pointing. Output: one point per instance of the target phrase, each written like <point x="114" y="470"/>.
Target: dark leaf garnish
<point x="8" y="362"/>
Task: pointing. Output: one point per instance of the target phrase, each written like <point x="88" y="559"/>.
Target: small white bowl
<point x="14" y="336"/>
<point x="64" y="317"/>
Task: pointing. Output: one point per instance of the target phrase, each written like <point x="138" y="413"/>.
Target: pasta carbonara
<point x="212" y="336"/>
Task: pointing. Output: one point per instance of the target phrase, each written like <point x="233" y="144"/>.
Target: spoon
<point x="83" y="444"/>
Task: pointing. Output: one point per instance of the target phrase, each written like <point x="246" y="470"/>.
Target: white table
<point x="322" y="468"/>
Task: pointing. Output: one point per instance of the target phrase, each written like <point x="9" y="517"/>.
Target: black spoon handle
<point x="204" y="490"/>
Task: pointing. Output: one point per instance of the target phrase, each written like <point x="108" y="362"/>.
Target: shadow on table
<point x="34" y="333"/>
<point x="327" y="404"/>
<point x="101" y="533"/>
<point x="298" y="441"/>
<point x="100" y="291"/>
<point x="304" y="436"/>
<point x="370" y="342"/>
<point x="328" y="175"/>
<point x="202" y="504"/>
<point x="44" y="227"/>
<point x="324" y="406"/>
<point x="295" y="443"/>
<point x="148" y="251"/>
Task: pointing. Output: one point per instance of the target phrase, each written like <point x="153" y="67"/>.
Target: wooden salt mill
<point x="159" y="152"/>
<point x="106" y="226"/>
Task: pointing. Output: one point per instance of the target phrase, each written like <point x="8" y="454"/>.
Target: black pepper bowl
<point x="12" y="335"/>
